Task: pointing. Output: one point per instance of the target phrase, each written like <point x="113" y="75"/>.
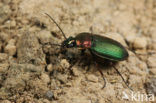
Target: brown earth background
<point x="32" y="70"/>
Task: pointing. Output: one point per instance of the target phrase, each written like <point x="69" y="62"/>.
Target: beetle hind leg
<point x="122" y="77"/>
<point x="103" y="78"/>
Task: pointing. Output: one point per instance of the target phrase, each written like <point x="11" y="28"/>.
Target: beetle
<point x="99" y="46"/>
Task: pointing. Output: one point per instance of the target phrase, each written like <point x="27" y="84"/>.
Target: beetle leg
<point x="82" y="52"/>
<point x="102" y="77"/>
<point x="84" y="58"/>
<point x="70" y="67"/>
<point x="122" y="77"/>
<point x="99" y="70"/>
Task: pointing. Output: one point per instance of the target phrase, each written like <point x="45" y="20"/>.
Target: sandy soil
<point x="32" y="70"/>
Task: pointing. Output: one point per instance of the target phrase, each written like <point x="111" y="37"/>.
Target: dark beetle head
<point x="69" y="42"/>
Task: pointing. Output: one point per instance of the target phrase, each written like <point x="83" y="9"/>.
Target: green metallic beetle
<point x="99" y="46"/>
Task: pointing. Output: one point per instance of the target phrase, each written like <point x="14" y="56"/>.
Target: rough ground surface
<point x="34" y="71"/>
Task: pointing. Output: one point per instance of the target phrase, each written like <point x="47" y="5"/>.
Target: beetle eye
<point x="71" y="44"/>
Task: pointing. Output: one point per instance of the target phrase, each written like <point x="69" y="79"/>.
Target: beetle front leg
<point x="82" y="52"/>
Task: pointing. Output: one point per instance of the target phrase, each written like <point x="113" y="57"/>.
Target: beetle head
<point x="69" y="42"/>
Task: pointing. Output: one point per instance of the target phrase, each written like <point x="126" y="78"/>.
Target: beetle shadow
<point x="75" y="58"/>
<point x="102" y="63"/>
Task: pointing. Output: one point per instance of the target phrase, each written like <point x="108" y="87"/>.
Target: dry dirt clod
<point x="75" y="71"/>
<point x="45" y="78"/>
<point x="62" y="77"/>
<point x="4" y="67"/>
<point x="152" y="71"/>
<point x="65" y="63"/>
<point x="151" y="61"/>
<point x="13" y="23"/>
<point x="130" y="38"/>
<point x="10" y="48"/>
<point x="15" y="84"/>
<point x="4" y="12"/>
<point x="140" y="43"/>
<point x="44" y="36"/>
<point x="4" y="37"/>
<point x="3" y="57"/>
<point x="92" y="78"/>
<point x="29" y="50"/>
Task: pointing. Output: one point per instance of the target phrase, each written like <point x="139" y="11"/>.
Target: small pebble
<point x="140" y="43"/>
<point x="50" y="67"/>
<point x="65" y="63"/>
<point x="92" y="78"/>
<point x="10" y="49"/>
<point x="45" y="78"/>
<point x="49" y="95"/>
<point x="130" y="38"/>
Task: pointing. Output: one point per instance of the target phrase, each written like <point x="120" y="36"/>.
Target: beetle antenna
<point x="122" y="77"/>
<point x="52" y="44"/>
<point x="56" y="44"/>
<point x="56" y="25"/>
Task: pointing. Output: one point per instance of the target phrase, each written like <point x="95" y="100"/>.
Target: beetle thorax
<point x="83" y="44"/>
